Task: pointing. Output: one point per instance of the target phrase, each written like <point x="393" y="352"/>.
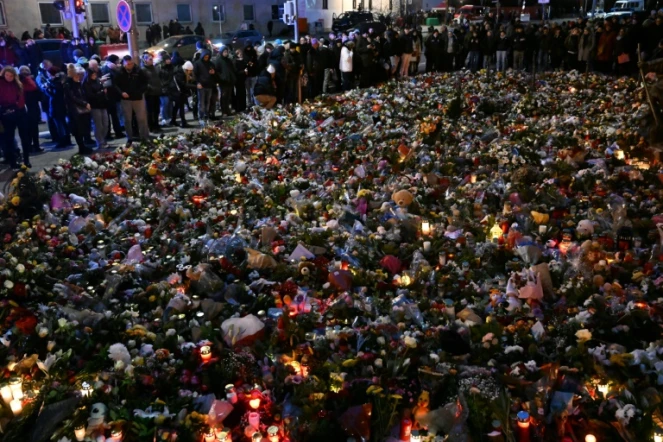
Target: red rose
<point x="26" y="324"/>
<point x="20" y="289"/>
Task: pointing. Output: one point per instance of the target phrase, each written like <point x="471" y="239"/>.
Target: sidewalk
<point x="51" y="157"/>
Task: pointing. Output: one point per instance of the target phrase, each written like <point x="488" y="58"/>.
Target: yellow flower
<point x="350" y="362"/>
<point x="374" y="389"/>
<point x="16" y="200"/>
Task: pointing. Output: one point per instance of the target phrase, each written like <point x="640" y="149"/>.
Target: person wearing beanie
<point x="184" y="85"/>
<point x="131" y="82"/>
<point x="293" y="65"/>
<point x="205" y="73"/>
<point x="265" y="88"/>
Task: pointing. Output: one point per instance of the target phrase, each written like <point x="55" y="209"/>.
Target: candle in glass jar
<point x="86" y="389"/>
<point x="273" y="433"/>
<point x="406" y="430"/>
<point x="231" y="395"/>
<point x="543" y="229"/>
<point x="523" y="426"/>
<point x="254" y="419"/>
<point x="590" y="438"/>
<point x="205" y="353"/>
<point x="209" y="436"/>
<point x="658" y="437"/>
<point x="16" y="385"/>
<point x="79" y="432"/>
<point x="6" y="393"/>
<point x="223" y="434"/>
<point x="426" y="246"/>
<point x="425" y="228"/>
<point x="257" y="437"/>
<point x="16" y="406"/>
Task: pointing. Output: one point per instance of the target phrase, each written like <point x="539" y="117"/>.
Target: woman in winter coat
<point x="78" y="108"/>
<point x="585" y="45"/>
<point x="95" y="95"/>
<point x="605" y="49"/>
<point x="32" y="99"/>
<point x="184" y="86"/>
<point x="13" y="116"/>
<point x="622" y="55"/>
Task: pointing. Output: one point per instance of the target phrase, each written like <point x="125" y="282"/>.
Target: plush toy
<point x="403" y="198"/>
<point x="422" y="408"/>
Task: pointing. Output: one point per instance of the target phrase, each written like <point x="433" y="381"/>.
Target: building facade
<point x="216" y="16"/>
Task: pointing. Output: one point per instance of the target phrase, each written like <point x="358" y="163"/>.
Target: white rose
<point x="171" y="332"/>
<point x="381" y="340"/>
<point x="410" y="342"/>
<point x="20" y="268"/>
<point x="378" y="363"/>
<point x="43" y="332"/>
<point x="119" y="365"/>
<point x="9" y="285"/>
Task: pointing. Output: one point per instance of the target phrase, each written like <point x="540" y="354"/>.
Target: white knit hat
<point x="188" y="66"/>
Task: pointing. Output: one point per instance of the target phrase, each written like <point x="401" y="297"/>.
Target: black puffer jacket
<point x="204" y="71"/>
<point x="74" y="97"/>
<point x="95" y="93"/>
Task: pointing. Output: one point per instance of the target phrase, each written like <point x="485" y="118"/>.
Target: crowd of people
<point x="114" y="98"/>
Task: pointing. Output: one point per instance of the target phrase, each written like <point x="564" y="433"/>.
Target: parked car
<point x="50" y="47"/>
<point x="239" y="39"/>
<point x="185" y="45"/>
<point x="472" y="13"/>
<point x="354" y="20"/>
<point x="378" y="27"/>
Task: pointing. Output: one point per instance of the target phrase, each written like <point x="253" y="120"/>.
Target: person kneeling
<point x="265" y="88"/>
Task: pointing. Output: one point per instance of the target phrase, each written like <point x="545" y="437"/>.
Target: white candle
<point x="16" y="385"/>
<point x="16" y="407"/>
<point x="254" y="419"/>
<point x="79" y="433"/>
<point x="543" y="229"/>
<point x="426" y="246"/>
<point x="590" y="438"/>
<point x="6" y="393"/>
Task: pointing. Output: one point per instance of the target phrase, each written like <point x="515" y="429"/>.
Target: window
<point x="325" y="4"/>
<point x="277" y="12"/>
<point x="100" y="13"/>
<point x="143" y="13"/>
<point x="3" y="19"/>
<point x="249" y="13"/>
<point x="184" y="13"/>
<point x="49" y="15"/>
<point x="219" y="13"/>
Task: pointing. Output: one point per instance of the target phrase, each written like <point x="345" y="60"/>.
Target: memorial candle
<point x="16" y="407"/>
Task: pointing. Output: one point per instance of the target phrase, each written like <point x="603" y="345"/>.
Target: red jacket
<point x="8" y="56"/>
<point x="11" y="96"/>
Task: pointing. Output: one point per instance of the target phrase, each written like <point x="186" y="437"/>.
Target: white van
<point x="626" y="8"/>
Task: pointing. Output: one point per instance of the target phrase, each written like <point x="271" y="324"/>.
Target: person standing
<point x="315" y="69"/>
<point x="166" y="75"/>
<point x="227" y="78"/>
<point x="32" y="98"/>
<point x="153" y="93"/>
<point x="251" y="57"/>
<point x="503" y="45"/>
<point x="488" y="46"/>
<point x="131" y="83"/>
<point x="432" y="49"/>
<point x="113" y="98"/>
<point x="293" y="66"/>
<point x="184" y="86"/>
<point x="199" y="30"/>
<point x="78" y="108"/>
<point x="13" y="117"/>
<point x="571" y="44"/>
<point x="585" y="45"/>
<point x="345" y="65"/>
<point x="519" y="47"/>
<point x="205" y="74"/>
<point x="408" y="49"/>
<point x="95" y="94"/>
<point x="474" y="48"/>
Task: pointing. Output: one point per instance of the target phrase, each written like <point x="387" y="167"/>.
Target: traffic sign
<point x="123" y="14"/>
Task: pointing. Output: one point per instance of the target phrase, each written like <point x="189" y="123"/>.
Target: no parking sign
<point x="123" y="14"/>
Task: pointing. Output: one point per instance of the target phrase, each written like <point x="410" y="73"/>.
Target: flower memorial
<point x="454" y="257"/>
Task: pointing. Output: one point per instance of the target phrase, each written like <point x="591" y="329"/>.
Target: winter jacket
<point x="606" y="46"/>
<point x="519" y="42"/>
<point x="133" y="83"/>
<point x="292" y="62"/>
<point x="225" y="71"/>
<point x="239" y="68"/>
<point x="153" y="80"/>
<point x="74" y="97"/>
<point x="8" y="56"/>
<point x="265" y="85"/>
<point x="95" y="94"/>
<point x="55" y="92"/>
<point x="345" y="64"/>
<point x="326" y="57"/>
<point x="475" y="44"/>
<point x="433" y="46"/>
<point x="314" y="62"/>
<point x="32" y="96"/>
<point x="113" y="95"/>
<point x="585" y="45"/>
<point x="408" y="43"/>
<point x="166" y="74"/>
<point x="571" y="44"/>
<point x="365" y="53"/>
<point x="503" y="44"/>
<point x="204" y="71"/>
<point x="181" y="87"/>
<point x="11" y="96"/>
